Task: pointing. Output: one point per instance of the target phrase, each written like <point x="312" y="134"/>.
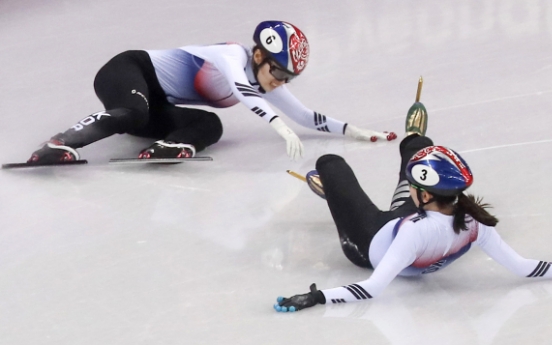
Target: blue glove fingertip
<point x="284" y="310"/>
<point x="279" y="299"/>
<point x="292" y="309"/>
<point x="277" y="307"/>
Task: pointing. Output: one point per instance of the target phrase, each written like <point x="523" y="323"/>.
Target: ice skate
<point x="52" y="152"/>
<point x="416" y="120"/>
<point x="167" y="149"/>
<point x="313" y="180"/>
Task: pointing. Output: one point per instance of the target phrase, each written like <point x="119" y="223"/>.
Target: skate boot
<point x="54" y="151"/>
<point x="416" y="120"/>
<point x="168" y="149"/>
<point x="313" y="180"/>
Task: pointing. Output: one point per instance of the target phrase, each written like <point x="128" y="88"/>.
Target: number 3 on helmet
<point x="439" y="170"/>
<point x="285" y="44"/>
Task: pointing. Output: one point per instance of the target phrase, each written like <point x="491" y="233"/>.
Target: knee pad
<point x="354" y="254"/>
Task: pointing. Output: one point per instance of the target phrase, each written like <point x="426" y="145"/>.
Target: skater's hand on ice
<point x="294" y="146"/>
<point x="299" y="302"/>
<point x="368" y="135"/>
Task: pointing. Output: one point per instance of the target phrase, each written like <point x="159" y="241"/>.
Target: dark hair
<point x="467" y="205"/>
<point x="257" y="47"/>
<point x="266" y="54"/>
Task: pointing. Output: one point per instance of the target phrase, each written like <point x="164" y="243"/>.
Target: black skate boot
<point x="54" y="151"/>
<point x="168" y="149"/>
<point x="416" y="120"/>
<point x="313" y="180"/>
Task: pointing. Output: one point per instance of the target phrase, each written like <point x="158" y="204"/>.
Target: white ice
<point x="197" y="253"/>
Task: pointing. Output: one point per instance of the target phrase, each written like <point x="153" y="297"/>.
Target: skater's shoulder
<point x="225" y="48"/>
<point x="428" y="219"/>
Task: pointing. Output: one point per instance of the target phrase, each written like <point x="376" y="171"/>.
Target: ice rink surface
<point x="197" y="253"/>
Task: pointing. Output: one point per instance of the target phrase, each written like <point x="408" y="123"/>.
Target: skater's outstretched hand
<point x="368" y="135"/>
<point x="294" y="146"/>
<point x="299" y="302"/>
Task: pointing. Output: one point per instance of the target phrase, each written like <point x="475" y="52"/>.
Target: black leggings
<point x="355" y="215"/>
<point x="136" y="104"/>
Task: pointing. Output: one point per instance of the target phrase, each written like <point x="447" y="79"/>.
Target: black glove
<point x="299" y="302"/>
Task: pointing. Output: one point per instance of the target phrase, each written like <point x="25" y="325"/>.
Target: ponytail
<point x="475" y="208"/>
<point x="467" y="205"/>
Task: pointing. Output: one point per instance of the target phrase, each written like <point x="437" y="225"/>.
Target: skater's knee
<point x="212" y="121"/>
<point x="354" y="253"/>
<point x="413" y="143"/>
<point x="327" y="159"/>
<point x="129" y="118"/>
<point x="139" y="117"/>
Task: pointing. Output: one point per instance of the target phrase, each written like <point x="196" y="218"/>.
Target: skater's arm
<point x="230" y="60"/>
<point x="400" y="255"/>
<point x="284" y="100"/>
<point x="492" y="244"/>
<point x="231" y="63"/>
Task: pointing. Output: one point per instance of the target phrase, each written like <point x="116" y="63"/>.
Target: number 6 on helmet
<point x="285" y="44"/>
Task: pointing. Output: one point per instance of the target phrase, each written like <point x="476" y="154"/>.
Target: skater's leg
<point x="415" y="139"/>
<point x="354" y="214"/>
<point x="179" y="128"/>
<point x="401" y="198"/>
<point x="123" y="85"/>
<point x="182" y="125"/>
<point x="197" y="127"/>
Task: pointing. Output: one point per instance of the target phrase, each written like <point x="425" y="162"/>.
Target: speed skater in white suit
<point x="141" y="90"/>
<point x="430" y="224"/>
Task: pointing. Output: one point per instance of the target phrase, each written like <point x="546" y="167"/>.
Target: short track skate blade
<point x="37" y="165"/>
<point x="158" y="160"/>
<point x="296" y="175"/>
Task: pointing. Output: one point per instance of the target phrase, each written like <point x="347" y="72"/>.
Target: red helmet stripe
<point x="461" y="166"/>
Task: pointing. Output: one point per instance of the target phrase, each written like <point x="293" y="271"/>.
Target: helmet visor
<point x="280" y="74"/>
